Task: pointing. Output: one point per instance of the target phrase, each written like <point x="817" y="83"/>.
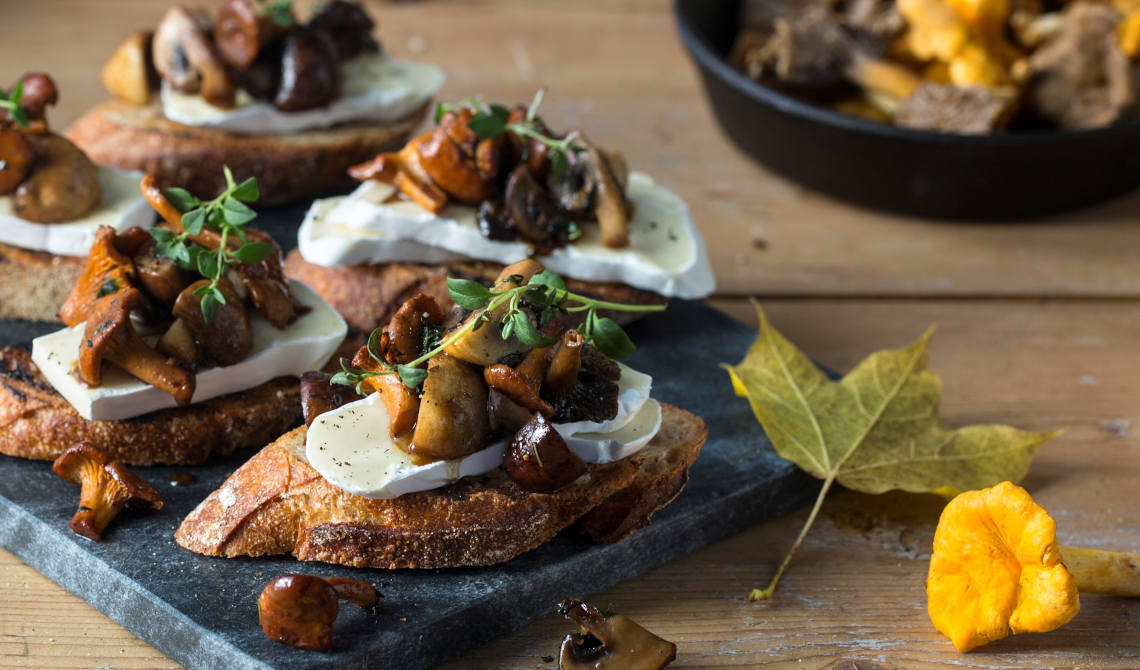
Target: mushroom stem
<point x="1115" y="573"/>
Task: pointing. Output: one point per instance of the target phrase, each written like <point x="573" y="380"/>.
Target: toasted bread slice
<point x="33" y="284"/>
<point x="276" y="504"/>
<point x="367" y="295"/>
<point x="36" y="422"/>
<point x="288" y="167"/>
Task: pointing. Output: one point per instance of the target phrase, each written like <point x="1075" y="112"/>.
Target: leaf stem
<point x="758" y="594"/>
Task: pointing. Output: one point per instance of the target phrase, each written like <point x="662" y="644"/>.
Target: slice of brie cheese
<point x="666" y="253"/>
<point x="121" y="207"/>
<point x="304" y="345"/>
<point x="352" y="448"/>
<point x="373" y="87"/>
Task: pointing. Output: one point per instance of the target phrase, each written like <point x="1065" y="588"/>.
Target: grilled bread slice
<point x="33" y="284"/>
<point x="367" y="295"/>
<point x="36" y="422"/>
<point x="277" y="504"/>
<point x="289" y="167"/>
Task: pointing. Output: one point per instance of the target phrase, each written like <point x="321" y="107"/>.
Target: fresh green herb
<point x="108" y="287"/>
<point x="568" y="227"/>
<point x="279" y="11"/>
<point x="12" y="104"/>
<point x="491" y="120"/>
<point x="545" y="294"/>
<point x="227" y="214"/>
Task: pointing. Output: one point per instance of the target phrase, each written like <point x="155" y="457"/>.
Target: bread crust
<point x="367" y="295"/>
<point x="37" y="423"/>
<point x="277" y="503"/>
<point x="288" y="167"/>
<point x="33" y="284"/>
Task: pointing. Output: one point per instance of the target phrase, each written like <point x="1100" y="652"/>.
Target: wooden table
<point x="1038" y="327"/>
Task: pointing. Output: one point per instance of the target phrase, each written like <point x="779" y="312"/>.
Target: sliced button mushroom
<point x="186" y="59"/>
<point x="538" y="459"/>
<point x="529" y="205"/>
<point x="308" y="72"/>
<point x="63" y="184"/>
<point x="106" y="486"/>
<point x="299" y="610"/>
<point x="16" y="159"/>
<point x="228" y="337"/>
<point x="452" y="421"/>
<point x="129" y="73"/>
<point x="111" y="336"/>
<point x="612" y="642"/>
<point x="241" y="30"/>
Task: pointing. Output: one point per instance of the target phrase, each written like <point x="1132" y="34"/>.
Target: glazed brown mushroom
<point x="228" y="338"/>
<point x="404" y="333"/>
<point x="404" y="171"/>
<point x="129" y="73"/>
<point x="402" y="403"/>
<point x="299" y="610"/>
<point x="185" y="58"/>
<point x="63" y="184"/>
<point x="613" y="642"/>
<point x="348" y="25"/>
<point x="308" y="72"/>
<point x="178" y="343"/>
<point x="505" y="415"/>
<point x="610" y="207"/>
<point x="241" y="30"/>
<point x="16" y="159"/>
<point x="522" y="384"/>
<point x="565" y="364"/>
<point x="106" y="270"/>
<point x="452" y="420"/>
<point x="485" y="345"/>
<point x="538" y="459"/>
<point x="318" y="395"/>
<point x="449" y="158"/>
<point x="106" y="486"/>
<point x="110" y="336"/>
<point x="39" y="94"/>
<point x="158" y="276"/>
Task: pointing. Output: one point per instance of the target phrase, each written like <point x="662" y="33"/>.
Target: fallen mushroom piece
<point x="63" y="184"/>
<point x="612" y="642"/>
<point x="106" y="486"/>
<point x="299" y="610"/>
<point x="997" y="568"/>
<point x="538" y="458"/>
<point x="129" y="73"/>
<point x="185" y="58"/>
<point x="241" y="30"/>
<point x="318" y="395"/>
<point x="111" y="336"/>
<point x="228" y="337"/>
<point x="16" y="159"/>
<point x="308" y="72"/>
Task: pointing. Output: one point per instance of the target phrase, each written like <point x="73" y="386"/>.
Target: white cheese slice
<point x="374" y="88"/>
<point x="352" y="448"/>
<point x="304" y="345"/>
<point x="121" y="207"/>
<point x="666" y="253"/>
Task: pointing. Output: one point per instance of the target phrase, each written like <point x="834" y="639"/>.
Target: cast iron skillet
<point x="1018" y="175"/>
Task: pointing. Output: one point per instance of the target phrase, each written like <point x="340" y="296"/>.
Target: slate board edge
<point x="135" y="608"/>
<point x="146" y="615"/>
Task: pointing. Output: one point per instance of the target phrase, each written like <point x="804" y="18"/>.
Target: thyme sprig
<point x="493" y="119"/>
<point x="545" y="295"/>
<point x="278" y="11"/>
<point x="11" y="102"/>
<point x="227" y="214"/>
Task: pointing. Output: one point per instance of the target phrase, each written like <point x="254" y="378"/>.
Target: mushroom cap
<point x="996" y="567"/>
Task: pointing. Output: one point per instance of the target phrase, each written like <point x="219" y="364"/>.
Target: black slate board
<point x="202" y="611"/>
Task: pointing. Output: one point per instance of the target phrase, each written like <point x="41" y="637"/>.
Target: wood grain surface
<point x="1037" y="327"/>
